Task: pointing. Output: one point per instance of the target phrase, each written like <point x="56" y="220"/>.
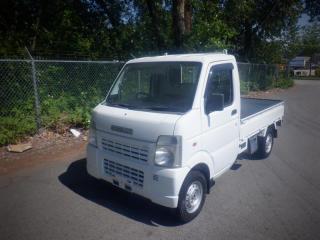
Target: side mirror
<point x="214" y="102"/>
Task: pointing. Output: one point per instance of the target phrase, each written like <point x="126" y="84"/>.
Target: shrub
<point x="283" y="83"/>
<point x="57" y="114"/>
<point x="16" y="126"/>
<point x="68" y="111"/>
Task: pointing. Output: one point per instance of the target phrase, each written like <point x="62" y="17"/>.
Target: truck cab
<point x="170" y="125"/>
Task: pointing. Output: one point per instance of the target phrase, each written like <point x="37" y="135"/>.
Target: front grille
<point x="126" y="150"/>
<point x="116" y="169"/>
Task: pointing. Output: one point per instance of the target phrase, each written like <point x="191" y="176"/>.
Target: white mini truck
<point x="170" y="125"/>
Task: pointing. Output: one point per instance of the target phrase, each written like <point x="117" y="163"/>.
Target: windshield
<point x="158" y="86"/>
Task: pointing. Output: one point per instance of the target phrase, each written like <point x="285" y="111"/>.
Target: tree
<point x="118" y="29"/>
<point x="258" y="21"/>
<point x="153" y="25"/>
<point x="209" y="31"/>
<point x="77" y="27"/>
<point x="154" y="12"/>
<point x="312" y="8"/>
<point x="311" y="39"/>
<point x="181" y="19"/>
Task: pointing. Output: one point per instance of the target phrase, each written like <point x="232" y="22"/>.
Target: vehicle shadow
<point x="245" y="156"/>
<point x="132" y="206"/>
<point x="251" y="157"/>
<point x="235" y="166"/>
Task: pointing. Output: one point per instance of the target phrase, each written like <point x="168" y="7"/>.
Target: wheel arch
<point x="271" y="127"/>
<point x="203" y="162"/>
<point x="204" y="169"/>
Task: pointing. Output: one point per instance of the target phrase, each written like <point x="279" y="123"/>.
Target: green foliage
<point x="310" y="39"/>
<point x="317" y="72"/>
<point x="67" y="92"/>
<point x="258" y="23"/>
<point x="17" y="124"/>
<point x="312" y="8"/>
<point x="283" y="83"/>
<point x="121" y="29"/>
<point x="14" y="128"/>
<point x="255" y="77"/>
<point x="58" y="114"/>
<point x="209" y="30"/>
<point x="67" y="111"/>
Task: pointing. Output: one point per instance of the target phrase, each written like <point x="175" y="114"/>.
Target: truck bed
<point x="256" y="116"/>
<point x="251" y="107"/>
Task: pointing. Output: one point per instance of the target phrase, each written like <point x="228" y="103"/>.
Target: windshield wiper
<point x="123" y="105"/>
<point x="161" y="108"/>
<point x="152" y="108"/>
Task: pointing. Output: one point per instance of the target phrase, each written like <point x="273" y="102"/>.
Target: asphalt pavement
<point x="275" y="198"/>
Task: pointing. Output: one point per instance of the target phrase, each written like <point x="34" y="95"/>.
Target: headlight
<point x="168" y="151"/>
<point x="92" y="134"/>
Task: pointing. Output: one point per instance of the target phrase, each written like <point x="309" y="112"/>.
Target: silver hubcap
<point x="194" y="197"/>
<point x="268" y="144"/>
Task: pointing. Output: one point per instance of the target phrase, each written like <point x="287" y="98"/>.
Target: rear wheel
<point x="192" y="196"/>
<point x="265" y="144"/>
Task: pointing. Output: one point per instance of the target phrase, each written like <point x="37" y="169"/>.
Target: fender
<point x="201" y="157"/>
<point x="263" y="132"/>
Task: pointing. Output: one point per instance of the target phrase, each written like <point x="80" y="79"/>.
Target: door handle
<point x="234" y="112"/>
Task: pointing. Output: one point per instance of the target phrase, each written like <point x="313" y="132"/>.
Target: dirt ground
<point x="50" y="146"/>
<point x="47" y="146"/>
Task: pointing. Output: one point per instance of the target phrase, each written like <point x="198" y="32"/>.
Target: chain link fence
<point x="254" y="77"/>
<point x="58" y="94"/>
<point x="50" y="94"/>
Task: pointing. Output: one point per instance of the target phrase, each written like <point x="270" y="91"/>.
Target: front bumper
<point x="160" y="185"/>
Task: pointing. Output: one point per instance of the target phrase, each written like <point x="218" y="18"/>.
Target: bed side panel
<point x="254" y="125"/>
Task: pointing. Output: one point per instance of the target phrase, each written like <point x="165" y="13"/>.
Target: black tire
<point x="263" y="150"/>
<point x="183" y="211"/>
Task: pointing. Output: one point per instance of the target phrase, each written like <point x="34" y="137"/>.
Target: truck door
<point x="221" y="130"/>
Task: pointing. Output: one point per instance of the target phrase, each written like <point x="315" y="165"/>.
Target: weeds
<point x="283" y="83"/>
<point x="57" y="114"/>
<point x="67" y="93"/>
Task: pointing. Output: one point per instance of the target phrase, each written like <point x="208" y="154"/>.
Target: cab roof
<point x="195" y="57"/>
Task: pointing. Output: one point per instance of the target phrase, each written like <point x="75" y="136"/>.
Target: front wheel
<point x="192" y="196"/>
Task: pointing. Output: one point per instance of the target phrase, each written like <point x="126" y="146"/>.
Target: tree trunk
<point x="178" y="24"/>
<point x="156" y="29"/>
<point x="247" y="41"/>
<point x="34" y="38"/>
<point x="181" y="21"/>
<point x="188" y="17"/>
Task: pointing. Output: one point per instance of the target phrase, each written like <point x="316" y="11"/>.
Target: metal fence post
<point x="248" y="85"/>
<point x="36" y="92"/>
<point x="276" y="75"/>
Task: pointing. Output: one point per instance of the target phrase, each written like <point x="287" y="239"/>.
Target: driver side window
<point x="221" y="82"/>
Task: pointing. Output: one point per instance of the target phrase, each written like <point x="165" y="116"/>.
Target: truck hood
<point x="142" y="125"/>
